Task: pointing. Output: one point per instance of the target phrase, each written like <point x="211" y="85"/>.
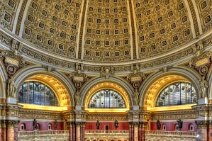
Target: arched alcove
<point x="59" y="84"/>
<point x="108" y="90"/>
<point x="111" y="80"/>
<point x="155" y="83"/>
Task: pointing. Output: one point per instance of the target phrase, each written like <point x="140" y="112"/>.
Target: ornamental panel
<point x="205" y="12"/>
<point x="107" y="34"/>
<point x="162" y="25"/>
<point x="8" y="10"/>
<point x="53" y="26"/>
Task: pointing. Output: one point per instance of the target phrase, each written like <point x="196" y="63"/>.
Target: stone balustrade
<point x="170" y="135"/>
<point x="107" y="131"/>
<point x="50" y="135"/>
<point x="107" y="135"/>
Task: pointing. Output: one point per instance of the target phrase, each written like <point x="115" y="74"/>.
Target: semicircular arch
<point x="151" y="87"/>
<point x="57" y="81"/>
<point x="117" y="82"/>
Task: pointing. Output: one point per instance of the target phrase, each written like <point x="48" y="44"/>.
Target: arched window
<point x="34" y="92"/>
<point x="178" y="93"/>
<point x="107" y="99"/>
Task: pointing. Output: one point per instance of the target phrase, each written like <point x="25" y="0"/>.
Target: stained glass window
<point x="178" y="93"/>
<point x="34" y="92"/>
<point x="107" y="99"/>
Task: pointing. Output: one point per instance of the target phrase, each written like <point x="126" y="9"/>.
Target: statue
<point x="77" y="98"/>
<point x="11" y="88"/>
<point x="35" y="124"/>
<point x="116" y="124"/>
<point x="179" y="124"/>
<point x="55" y="124"/>
<point x="97" y="124"/>
<point x="135" y="100"/>
<point x="158" y="125"/>
<point x="203" y="86"/>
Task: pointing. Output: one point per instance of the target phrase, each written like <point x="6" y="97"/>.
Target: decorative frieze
<point x="174" y="115"/>
<point x="106" y="117"/>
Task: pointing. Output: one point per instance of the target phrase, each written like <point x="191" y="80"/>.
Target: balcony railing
<point x="173" y="133"/>
<point x="50" y="135"/>
<point x="170" y="135"/>
<point x="107" y="131"/>
<point x="107" y="134"/>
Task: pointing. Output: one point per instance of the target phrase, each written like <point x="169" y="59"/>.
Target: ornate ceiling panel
<point x="8" y="12"/>
<point x="162" y="25"/>
<point x="205" y="13"/>
<point x="107" y="35"/>
<point x="53" y="26"/>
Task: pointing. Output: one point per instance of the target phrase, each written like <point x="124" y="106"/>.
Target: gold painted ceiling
<point x="107" y="32"/>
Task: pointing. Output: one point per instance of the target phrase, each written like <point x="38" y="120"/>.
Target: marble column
<point x="70" y="127"/>
<point x="82" y="131"/>
<point x="142" y="129"/>
<point x="131" y="135"/>
<point x="135" y="132"/>
<point x="78" y="132"/>
<point x="3" y="130"/>
<point x="139" y="132"/>
<point x="9" y="130"/>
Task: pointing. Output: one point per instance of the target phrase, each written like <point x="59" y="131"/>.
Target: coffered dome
<point x="107" y="32"/>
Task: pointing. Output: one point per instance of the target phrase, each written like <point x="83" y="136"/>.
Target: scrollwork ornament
<point x="203" y="70"/>
<point x="11" y="69"/>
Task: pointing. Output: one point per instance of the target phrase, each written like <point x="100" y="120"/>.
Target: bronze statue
<point x="35" y="124"/>
<point x="158" y="125"/>
<point x="179" y="124"/>
<point x="97" y="124"/>
<point x="116" y="124"/>
<point x="55" y="124"/>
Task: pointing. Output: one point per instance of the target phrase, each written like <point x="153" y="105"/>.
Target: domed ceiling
<point x="106" y="32"/>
